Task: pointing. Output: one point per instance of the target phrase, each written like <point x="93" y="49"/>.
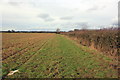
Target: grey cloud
<point x="93" y="8"/>
<point x="21" y="2"/>
<point x="76" y="25"/>
<point x="82" y="25"/>
<point x="15" y="3"/>
<point x="45" y="17"/>
<point x="66" y="18"/>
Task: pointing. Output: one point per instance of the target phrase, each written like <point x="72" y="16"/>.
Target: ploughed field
<point x="48" y="55"/>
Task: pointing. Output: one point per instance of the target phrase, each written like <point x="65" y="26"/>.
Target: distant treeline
<point x="12" y="31"/>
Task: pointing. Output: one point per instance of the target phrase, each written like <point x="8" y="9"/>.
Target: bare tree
<point x="58" y="30"/>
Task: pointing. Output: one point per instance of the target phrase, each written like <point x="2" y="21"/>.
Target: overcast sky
<point x="53" y="14"/>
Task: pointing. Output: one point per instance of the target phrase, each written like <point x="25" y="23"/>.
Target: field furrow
<point x="16" y="60"/>
<point x="22" y="45"/>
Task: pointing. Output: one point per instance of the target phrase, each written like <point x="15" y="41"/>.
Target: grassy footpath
<point x="62" y="58"/>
